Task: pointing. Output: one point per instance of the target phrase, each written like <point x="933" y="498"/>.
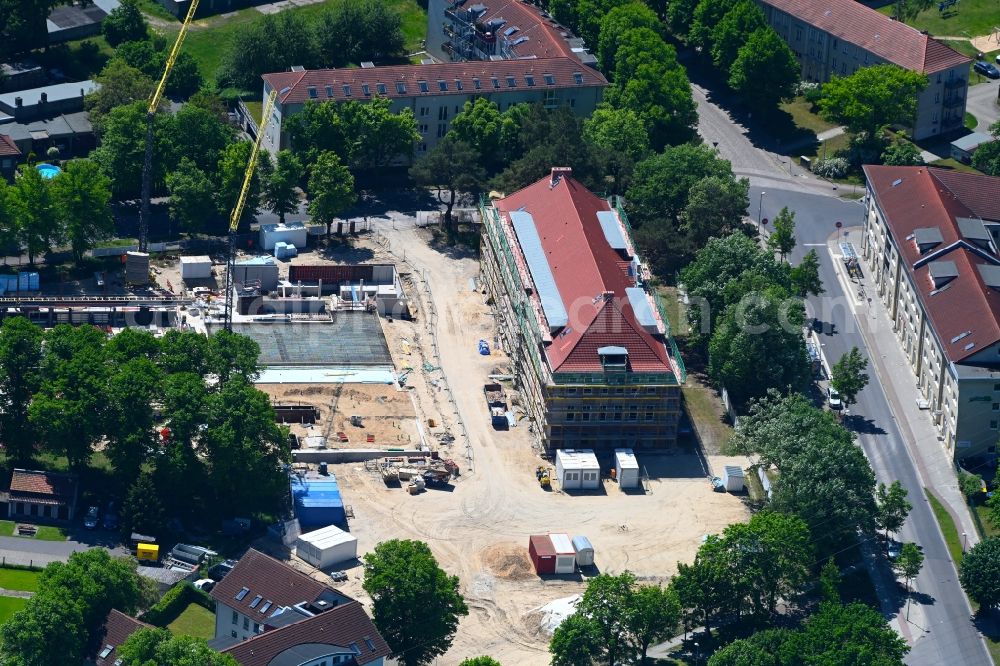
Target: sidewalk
<point x="934" y="464"/>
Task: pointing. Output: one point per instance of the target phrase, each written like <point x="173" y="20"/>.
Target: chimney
<point x="44" y="98"/>
<point x="18" y="102"/>
<point x="557" y="175"/>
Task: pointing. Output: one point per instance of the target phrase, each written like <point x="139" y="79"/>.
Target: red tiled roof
<point x="51" y="484"/>
<point x="544" y="39"/>
<point x="8" y="148"/>
<point x="117" y="627"/>
<point x="977" y="191"/>
<point x="585" y="268"/>
<point x="293" y="87"/>
<point x="965" y="314"/>
<point x="274" y="581"/>
<point x="875" y="32"/>
<point x="341" y="626"/>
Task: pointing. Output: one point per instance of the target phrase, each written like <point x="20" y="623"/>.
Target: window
<point x="424" y="111"/>
<point x="236" y="617"/>
<point x="233" y="633"/>
<point x="365" y="89"/>
<point x="400" y="87"/>
<point x="256" y="600"/>
<point x="105" y="651"/>
<point x="347" y="90"/>
<point x="422" y="85"/>
<point x="312" y="92"/>
<point x="242" y="593"/>
<point x="443" y="85"/>
<point x="511" y="82"/>
<point x="329" y="91"/>
<point x="529" y="79"/>
<point x="380" y="87"/>
<point x="458" y="84"/>
<point x="550" y="79"/>
<point x="993" y="425"/>
<point x="256" y="627"/>
<point x="476" y="83"/>
<point x="267" y="604"/>
<point x="422" y="128"/>
<point x="996" y="406"/>
<point x="496" y="82"/>
<point x="570" y="416"/>
<point x="246" y="624"/>
<point x="370" y="643"/>
<point x="578" y="78"/>
<point x="996" y="388"/>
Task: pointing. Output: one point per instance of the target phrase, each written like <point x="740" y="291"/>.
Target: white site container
<point x="732" y="478"/>
<point x="584" y="551"/>
<point x="626" y="468"/>
<point x="293" y="233"/>
<point x="565" y="553"/>
<point x="326" y="546"/>
<point x="196" y="268"/>
<point x="577" y="469"/>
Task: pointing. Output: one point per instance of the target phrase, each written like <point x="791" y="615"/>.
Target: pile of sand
<point x="508" y="561"/>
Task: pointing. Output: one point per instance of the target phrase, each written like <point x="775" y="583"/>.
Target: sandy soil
<point x="479" y="528"/>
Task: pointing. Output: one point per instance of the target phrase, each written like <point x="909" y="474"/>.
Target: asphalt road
<point x="946" y="632"/>
<point x="983" y="104"/>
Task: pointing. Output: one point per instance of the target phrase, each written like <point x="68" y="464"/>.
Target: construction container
<point x="148" y="552"/>
<point x="27" y="281"/>
<point x="317" y="501"/>
<point x="732" y="478"/>
<point x="626" y="468"/>
<point x="584" y="551"/>
<point x="565" y="553"/>
<point x="327" y="546"/>
<point x="137" y="268"/>
<point x="542" y="554"/>
<point x="293" y="233"/>
<point x="258" y="270"/>
<point x="196" y="268"/>
<point x="577" y="469"/>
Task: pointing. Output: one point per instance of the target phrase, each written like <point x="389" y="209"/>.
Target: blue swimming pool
<point x="48" y="171"/>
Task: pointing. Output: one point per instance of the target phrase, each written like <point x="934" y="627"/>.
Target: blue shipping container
<point x="317" y="501"/>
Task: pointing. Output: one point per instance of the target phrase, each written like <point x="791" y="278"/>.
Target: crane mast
<point x="154" y="103"/>
<point x="234" y="217"/>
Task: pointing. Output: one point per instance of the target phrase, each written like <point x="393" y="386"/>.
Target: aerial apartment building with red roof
<point x="931" y="245"/>
<point x="589" y="342"/>
<point x="506" y="51"/>
<point x="836" y="37"/>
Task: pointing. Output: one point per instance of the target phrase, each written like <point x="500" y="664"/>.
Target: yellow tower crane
<point x="154" y="103"/>
<point x="234" y="217"/>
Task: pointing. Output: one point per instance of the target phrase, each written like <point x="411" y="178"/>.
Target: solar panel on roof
<point x="538" y="266"/>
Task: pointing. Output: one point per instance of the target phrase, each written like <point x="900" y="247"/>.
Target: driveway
<point x="35" y="552"/>
<point x="983" y="104"/>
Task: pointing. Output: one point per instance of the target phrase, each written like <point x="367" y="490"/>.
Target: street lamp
<point x="965" y="541"/>
<point x="760" y="208"/>
<point x="697" y="650"/>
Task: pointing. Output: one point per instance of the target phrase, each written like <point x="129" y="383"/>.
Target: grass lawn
<point x="6" y="527"/>
<point x="209" y="38"/>
<point x="803" y="116"/>
<point x="970" y="121"/>
<point x="19" y="579"/>
<point x="988" y="529"/>
<point x="48" y="533"/>
<point x="9" y="606"/>
<point x="949" y="163"/>
<point x="255" y="107"/>
<point x="952" y="537"/>
<point x="195" y="621"/>
<point x="975" y="17"/>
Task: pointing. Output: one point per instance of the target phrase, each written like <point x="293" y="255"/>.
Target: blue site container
<point x="317" y="501"/>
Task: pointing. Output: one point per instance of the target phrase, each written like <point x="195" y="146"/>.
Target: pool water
<point x="48" y="171"/>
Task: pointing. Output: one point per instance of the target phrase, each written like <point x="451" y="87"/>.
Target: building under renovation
<point x="590" y="344"/>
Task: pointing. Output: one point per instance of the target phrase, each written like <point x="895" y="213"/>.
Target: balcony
<point x="957" y="82"/>
<point x="954" y="101"/>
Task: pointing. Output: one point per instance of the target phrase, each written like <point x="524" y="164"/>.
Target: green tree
<point x="141" y="55"/>
<point x="619" y="139"/>
<point x="782" y="239"/>
<point x="707" y="14"/>
<point x="124" y="23"/>
<point x="130" y="344"/>
<point x="615" y="24"/>
<point x="188" y="352"/>
<point x="201" y="136"/>
<point x="733" y="30"/>
<point x="892" y="507"/>
<point x="848" y="376"/>
<point x="192" y="196"/>
<point x="987" y="155"/>
<point x="81" y="195"/>
<point x="575" y="641"/>
<point x="481" y="125"/>
<point x="451" y="167"/>
<point x="994" y="505"/>
<point x="42" y="634"/>
<point x="829" y="581"/>
<point x="705" y="587"/>
<point x="607" y="602"/>
<point x="232" y="355"/>
<point x="763" y="648"/>
<point x="142" y="510"/>
<point x="971" y="485"/>
<point x="679" y="16"/>
<point x="908" y="565"/>
<point x="902" y="153"/>
<point x="271" y="43"/>
<point x="845" y="634"/>
<point x="415" y="604"/>
<point x="280" y="195"/>
<point x="121" y="83"/>
<point x="872" y="98"/>
<point x="662" y="185"/>
<point x="35" y="217"/>
<point x="805" y="277"/>
<point x="158" y="646"/>
<point x="654" y="615"/>
<point x="233" y="164"/>
<point x="132" y="388"/>
<point x="765" y="71"/>
<point x="979" y="573"/>
<point x="907" y="10"/>
<point x="22" y="25"/>
<point x="20" y="357"/>
<point x="715" y="207"/>
<point x="351" y="32"/>
<point x="185" y="78"/>
<point x="480" y="661"/>
<point x="331" y="190"/>
<point x="123" y="146"/>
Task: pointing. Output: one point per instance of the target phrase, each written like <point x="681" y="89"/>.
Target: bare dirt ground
<point x="386" y="413"/>
<point x="479" y="527"/>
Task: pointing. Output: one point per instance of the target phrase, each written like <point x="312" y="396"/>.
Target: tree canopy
<point x="848" y="375"/>
<point x="872" y="98"/>
<point x="765" y="71"/>
<point x="158" y="646"/>
<point x="451" y="167"/>
<point x="979" y="573"/>
<point x="125" y="23"/>
<point x="987" y="156"/>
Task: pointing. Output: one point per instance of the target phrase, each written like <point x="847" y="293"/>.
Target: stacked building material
<point x="137" y="268"/>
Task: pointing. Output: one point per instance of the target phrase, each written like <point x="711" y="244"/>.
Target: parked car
<point x="894" y="550"/>
<point x="92" y="518"/>
<point x="338" y="576"/>
<point x="986" y="69"/>
<point x="111" y="517"/>
<point x="205" y="584"/>
<point x="833" y="398"/>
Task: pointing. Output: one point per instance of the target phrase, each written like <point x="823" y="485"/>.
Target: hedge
<point x="174" y="602"/>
